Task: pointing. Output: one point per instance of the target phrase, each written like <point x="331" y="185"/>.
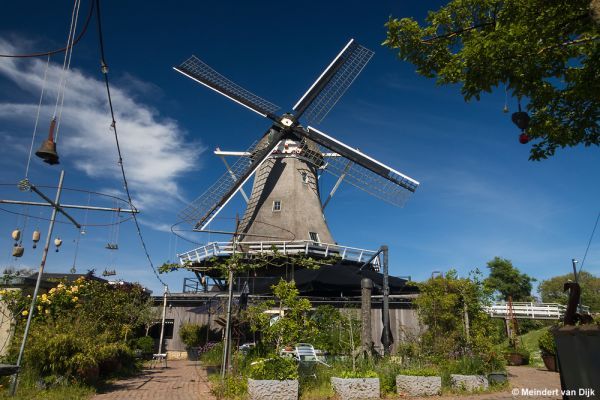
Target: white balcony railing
<point x="306" y="247"/>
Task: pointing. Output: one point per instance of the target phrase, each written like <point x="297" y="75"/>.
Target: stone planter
<point x="470" y="383"/>
<point x="273" y="389"/>
<point x="356" y="388"/>
<point x="419" y="385"/>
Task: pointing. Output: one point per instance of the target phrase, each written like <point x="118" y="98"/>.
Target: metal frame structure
<point x="26" y="185"/>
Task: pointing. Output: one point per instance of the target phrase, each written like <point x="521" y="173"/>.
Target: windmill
<point x="285" y="205"/>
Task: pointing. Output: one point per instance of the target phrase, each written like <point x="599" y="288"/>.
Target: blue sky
<point x="479" y="196"/>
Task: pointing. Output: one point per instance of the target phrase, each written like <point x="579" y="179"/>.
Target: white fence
<point x="530" y="310"/>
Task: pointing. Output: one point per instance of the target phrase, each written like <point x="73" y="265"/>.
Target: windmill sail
<point x="199" y="71"/>
<point x="202" y="210"/>
<point x="365" y="172"/>
<point x="331" y="85"/>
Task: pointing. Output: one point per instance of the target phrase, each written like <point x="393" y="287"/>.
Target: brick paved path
<point x="182" y="380"/>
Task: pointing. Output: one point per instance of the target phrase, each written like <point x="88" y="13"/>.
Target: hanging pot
<point x="35" y="237"/>
<point x="16" y="235"/>
<point x="18" y="251"/>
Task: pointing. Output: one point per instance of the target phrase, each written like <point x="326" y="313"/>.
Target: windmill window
<point x="314" y="236"/>
<point x="304" y="176"/>
<point x="276" y="205"/>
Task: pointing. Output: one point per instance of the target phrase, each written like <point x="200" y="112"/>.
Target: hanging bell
<point x="57" y="243"/>
<point x="17" y="250"/>
<point x="16" y="235"/>
<point x="47" y="150"/>
<point x="521" y="119"/>
<point x="35" y="237"/>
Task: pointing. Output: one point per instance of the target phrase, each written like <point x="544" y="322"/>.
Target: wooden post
<point x="366" y="285"/>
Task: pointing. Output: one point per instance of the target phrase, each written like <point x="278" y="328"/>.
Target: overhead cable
<point x="114" y="128"/>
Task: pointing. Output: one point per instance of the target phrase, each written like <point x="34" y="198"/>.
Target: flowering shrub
<point x="79" y="330"/>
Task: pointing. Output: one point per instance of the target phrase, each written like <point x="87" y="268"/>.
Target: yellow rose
<point x="75" y="298"/>
<point x="47" y="311"/>
<point x="74" y="289"/>
<point x="25" y="312"/>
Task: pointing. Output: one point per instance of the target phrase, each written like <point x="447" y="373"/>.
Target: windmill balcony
<point x="305" y="247"/>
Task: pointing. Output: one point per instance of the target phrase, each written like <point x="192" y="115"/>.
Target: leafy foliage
<point x="276" y="368"/>
<point x="441" y="307"/>
<point x="332" y="333"/>
<point x="190" y="334"/>
<point x="551" y="290"/>
<point x="546" y="52"/>
<point x="294" y="323"/>
<point x="80" y="330"/>
<point x="506" y="280"/>
<point x="241" y="262"/>
<point x="546" y="343"/>
<point x="348" y="374"/>
<point x="145" y="344"/>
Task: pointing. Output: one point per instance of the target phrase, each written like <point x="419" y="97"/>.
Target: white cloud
<point x="154" y="148"/>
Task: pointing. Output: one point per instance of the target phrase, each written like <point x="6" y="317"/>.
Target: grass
<point x="54" y="393"/>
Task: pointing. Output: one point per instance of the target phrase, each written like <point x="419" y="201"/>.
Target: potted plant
<point x="548" y="348"/>
<point x="190" y="335"/>
<point x="356" y="385"/>
<point x="517" y="355"/>
<point x="273" y="378"/>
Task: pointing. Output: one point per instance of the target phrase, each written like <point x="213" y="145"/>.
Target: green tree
<point x="293" y="324"/>
<point x="506" y="280"/>
<point x="547" y="53"/>
<point x="442" y="305"/>
<point x="551" y="290"/>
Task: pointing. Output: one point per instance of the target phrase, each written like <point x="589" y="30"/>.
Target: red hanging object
<point x="47" y="150"/>
<point x="524" y="138"/>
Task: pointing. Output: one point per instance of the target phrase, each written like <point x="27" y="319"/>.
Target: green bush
<point x="145" y="344"/>
<point x="232" y="387"/>
<point x="546" y="343"/>
<point x="213" y="356"/>
<point x="358" y="374"/>
<point x="425" y="371"/>
<point x="190" y="334"/>
<point x="276" y="368"/>
<point x="80" y="330"/>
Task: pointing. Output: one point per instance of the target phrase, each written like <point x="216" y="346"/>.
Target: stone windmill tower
<point x="285" y="205"/>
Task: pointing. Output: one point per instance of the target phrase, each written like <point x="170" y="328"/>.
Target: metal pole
<point x="574" y="262"/>
<point x="162" y="327"/>
<point x="13" y="387"/>
<point x="75" y="206"/>
<point x="386" y="303"/>
<point x="227" y="341"/>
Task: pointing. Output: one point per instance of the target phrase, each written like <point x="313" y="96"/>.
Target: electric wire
<point x="37" y="118"/>
<point x="51" y="52"/>
<point x="68" y="57"/>
<point x="114" y="128"/>
<point x="589" y="242"/>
